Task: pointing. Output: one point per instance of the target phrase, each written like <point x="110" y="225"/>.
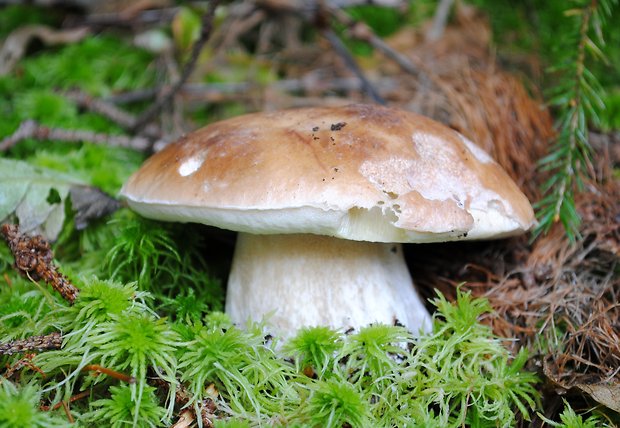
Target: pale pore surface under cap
<point x="357" y="172"/>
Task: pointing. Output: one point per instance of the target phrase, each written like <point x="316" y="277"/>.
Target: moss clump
<point x="380" y="376"/>
<point x="19" y="407"/>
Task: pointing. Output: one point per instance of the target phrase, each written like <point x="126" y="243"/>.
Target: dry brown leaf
<point x="608" y="394"/>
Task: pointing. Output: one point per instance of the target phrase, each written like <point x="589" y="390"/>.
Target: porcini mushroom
<point x="322" y="199"/>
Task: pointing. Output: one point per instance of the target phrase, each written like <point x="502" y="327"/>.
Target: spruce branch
<point x="578" y="98"/>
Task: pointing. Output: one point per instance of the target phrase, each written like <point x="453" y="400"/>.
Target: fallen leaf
<point x="608" y="394"/>
<point x="90" y="203"/>
<point x="36" y="196"/>
<point x="605" y="393"/>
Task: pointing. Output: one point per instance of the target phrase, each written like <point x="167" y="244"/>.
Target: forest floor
<point x="554" y="296"/>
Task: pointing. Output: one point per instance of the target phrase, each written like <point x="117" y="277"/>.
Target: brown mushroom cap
<point x="359" y="172"/>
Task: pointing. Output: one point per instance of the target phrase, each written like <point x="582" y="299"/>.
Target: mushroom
<point x="322" y="199"/>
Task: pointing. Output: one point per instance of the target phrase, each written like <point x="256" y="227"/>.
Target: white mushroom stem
<point x="308" y="280"/>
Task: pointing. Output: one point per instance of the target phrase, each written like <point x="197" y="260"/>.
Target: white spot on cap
<point x="190" y="166"/>
<point x="480" y="154"/>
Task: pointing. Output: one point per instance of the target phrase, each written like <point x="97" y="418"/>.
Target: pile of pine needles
<point x="555" y="295"/>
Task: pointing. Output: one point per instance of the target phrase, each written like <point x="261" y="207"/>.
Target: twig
<point x="16" y="44"/>
<point x="112" y="373"/>
<point x="119" y="116"/>
<point x="222" y="91"/>
<point x="341" y="49"/>
<point x="72" y="399"/>
<point x="205" y="33"/>
<point x="122" y="118"/>
<point x="127" y="20"/>
<point x="132" y="96"/>
<point x="26" y="361"/>
<point x="65" y="407"/>
<point x="440" y="19"/>
<point x="32" y="129"/>
<point x="33" y="343"/>
<point x="383" y="3"/>
<point x="33" y="258"/>
<point x="361" y="31"/>
<point x="238" y="27"/>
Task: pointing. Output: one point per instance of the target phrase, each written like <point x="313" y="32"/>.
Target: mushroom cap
<point x="359" y="172"/>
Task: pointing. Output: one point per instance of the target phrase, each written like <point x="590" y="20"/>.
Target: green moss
<point x="372" y="355"/>
<point x="46" y="106"/>
<point x="380" y="376"/>
<point x="147" y="251"/>
<point x="334" y="403"/>
<point x="101" y="301"/>
<point x="24" y="309"/>
<point x="383" y="20"/>
<point x="19" y="407"/>
<point x="252" y="381"/>
<point x="464" y="372"/>
<point x="314" y="348"/>
<point x="570" y="419"/>
<point x="99" y="65"/>
<point x="120" y="410"/>
<point x="186" y="305"/>
<point x="134" y="342"/>
<point x="102" y="166"/>
<point x="15" y="16"/>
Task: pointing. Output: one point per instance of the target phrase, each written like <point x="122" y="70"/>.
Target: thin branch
<point x="127" y="20"/>
<point x="122" y="118"/>
<point x="65" y="407"/>
<point x="16" y="43"/>
<point x="569" y="172"/>
<point x="32" y="129"/>
<point x="239" y="27"/>
<point x="361" y="31"/>
<point x="132" y="96"/>
<point x="396" y="4"/>
<point x="72" y="399"/>
<point x="112" y="373"/>
<point x="26" y="361"/>
<point x="223" y="91"/>
<point x="205" y="33"/>
<point x="342" y="50"/>
<point x="440" y="20"/>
